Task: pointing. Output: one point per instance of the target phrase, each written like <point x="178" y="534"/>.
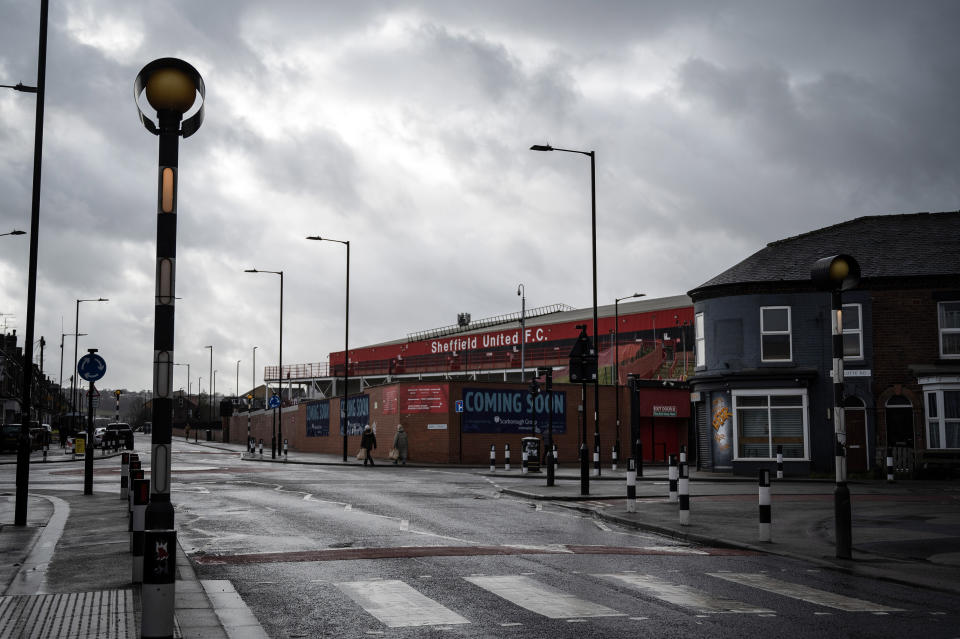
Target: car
<point x="119" y="434"/>
<point x="98" y="434"/>
<point x="10" y="438"/>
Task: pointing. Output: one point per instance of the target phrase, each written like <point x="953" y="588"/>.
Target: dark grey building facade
<point x="763" y="351"/>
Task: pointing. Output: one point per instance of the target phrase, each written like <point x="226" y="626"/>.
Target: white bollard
<point x="672" y="476"/>
<point x="523" y="463"/>
<point x="631" y="486"/>
<point x="506" y="456"/>
<point x="124" y="474"/>
<point x="613" y="458"/>
<point x="683" y="454"/>
<point x="493" y="458"/>
<point x="141" y="497"/>
<point x="764" y="496"/>
<point x="890" y="473"/>
<point x="683" y="489"/>
<point x="596" y="461"/>
<point x="779" y="461"/>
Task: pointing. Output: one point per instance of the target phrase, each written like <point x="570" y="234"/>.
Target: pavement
<point x="67" y="573"/>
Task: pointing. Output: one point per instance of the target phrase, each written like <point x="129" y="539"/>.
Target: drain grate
<point x="106" y="614"/>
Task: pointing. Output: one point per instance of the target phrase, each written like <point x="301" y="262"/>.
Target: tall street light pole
<point x="188" y="376"/>
<point x="60" y="386"/>
<point x="23" y="449"/>
<point x="277" y="428"/>
<point x="616" y="361"/>
<point x="836" y="274"/>
<point x="253" y="372"/>
<point x="346" y="342"/>
<point x="596" y="337"/>
<point x="522" y="292"/>
<point x="171" y="87"/>
<point x="76" y="334"/>
<point x="210" y="384"/>
<point x="237" y="394"/>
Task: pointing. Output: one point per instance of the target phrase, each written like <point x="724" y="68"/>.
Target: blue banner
<point x="512" y="411"/>
<point x="358" y="414"/>
<point x="318" y="418"/>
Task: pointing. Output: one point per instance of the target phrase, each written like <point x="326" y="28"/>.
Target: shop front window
<point x="767" y="419"/>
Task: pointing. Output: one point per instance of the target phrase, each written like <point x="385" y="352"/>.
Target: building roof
<point x="886" y="246"/>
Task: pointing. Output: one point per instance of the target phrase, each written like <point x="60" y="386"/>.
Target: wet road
<point x="325" y="551"/>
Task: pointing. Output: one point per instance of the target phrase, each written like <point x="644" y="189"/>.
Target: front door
<point x="857" y="451"/>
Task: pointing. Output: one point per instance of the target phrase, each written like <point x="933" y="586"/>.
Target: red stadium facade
<point x="461" y="389"/>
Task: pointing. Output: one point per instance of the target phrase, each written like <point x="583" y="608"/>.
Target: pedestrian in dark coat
<point x="401" y="444"/>
<point x="368" y="442"/>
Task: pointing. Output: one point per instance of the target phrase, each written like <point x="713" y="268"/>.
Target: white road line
<point x="230" y="608"/>
<point x="602" y="526"/>
<point x="804" y="593"/>
<point x="397" y="605"/>
<point x="540" y="598"/>
<point x="684" y="596"/>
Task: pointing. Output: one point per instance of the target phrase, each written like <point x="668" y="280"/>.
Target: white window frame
<point x="941" y="331"/>
<point x="936" y="387"/>
<point x="700" y="341"/>
<point x="788" y="332"/>
<point x="769" y="392"/>
<point x="858" y="331"/>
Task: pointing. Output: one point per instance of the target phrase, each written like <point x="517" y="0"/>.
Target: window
<point x="943" y="418"/>
<point x="775" y="343"/>
<point x="766" y="419"/>
<point x="949" y="316"/>
<point x="852" y="332"/>
<point x="700" y="341"/>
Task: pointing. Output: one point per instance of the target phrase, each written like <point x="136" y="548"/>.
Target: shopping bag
<point x="394" y="453"/>
<point x="362" y="454"/>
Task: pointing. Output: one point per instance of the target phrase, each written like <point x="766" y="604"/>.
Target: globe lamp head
<point x="839" y="270"/>
<point x="171" y="90"/>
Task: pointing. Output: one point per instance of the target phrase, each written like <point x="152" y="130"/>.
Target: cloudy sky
<point x="404" y="127"/>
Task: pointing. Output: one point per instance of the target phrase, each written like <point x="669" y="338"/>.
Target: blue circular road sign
<point x="274" y="401"/>
<point x="91" y="367"/>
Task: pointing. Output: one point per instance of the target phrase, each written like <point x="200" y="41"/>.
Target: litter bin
<point x="531" y="446"/>
<point x="209" y="434"/>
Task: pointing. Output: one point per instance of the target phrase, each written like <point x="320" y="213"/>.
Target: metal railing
<point x="489" y="321"/>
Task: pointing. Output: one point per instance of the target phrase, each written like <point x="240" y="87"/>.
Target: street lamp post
<point x="277" y="428"/>
<point x="346" y="341"/>
<point x="60" y="386"/>
<point x="237" y="394"/>
<point x="593" y="227"/>
<point x="210" y="385"/>
<point x="23" y="449"/>
<point x="14" y="232"/>
<point x="188" y="376"/>
<point x="836" y="274"/>
<point x="522" y="292"/>
<point x="76" y="335"/>
<point x="171" y="87"/>
<point x="616" y="360"/>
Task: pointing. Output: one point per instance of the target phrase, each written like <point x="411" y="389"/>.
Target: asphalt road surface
<point x="328" y="551"/>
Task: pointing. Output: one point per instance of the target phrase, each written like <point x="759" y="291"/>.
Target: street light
<point x="171" y="87"/>
<point x="836" y="274"/>
<point x="237" y="394"/>
<point x="346" y="340"/>
<point x="522" y="292"/>
<point x="277" y="428"/>
<point x="76" y="335"/>
<point x="188" y="376"/>
<point x="60" y="385"/>
<point x="616" y="362"/>
<point x="23" y="449"/>
<point x="210" y="381"/>
<point x="14" y="233"/>
<point x="596" y="337"/>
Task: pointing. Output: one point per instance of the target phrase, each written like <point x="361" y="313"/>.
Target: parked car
<point x="119" y="434"/>
<point x="10" y="438"/>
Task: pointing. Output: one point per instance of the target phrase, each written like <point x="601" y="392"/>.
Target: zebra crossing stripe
<point x="397" y="605"/>
<point x="541" y="599"/>
<point x="683" y="596"/>
<point x="803" y="593"/>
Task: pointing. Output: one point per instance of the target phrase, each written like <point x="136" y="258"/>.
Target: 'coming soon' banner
<point x="512" y="411"/>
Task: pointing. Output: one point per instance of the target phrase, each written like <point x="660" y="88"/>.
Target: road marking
<point x="804" y="593"/>
<point x="397" y="605"/>
<point x="684" y="596"/>
<point x="540" y="598"/>
<point x="232" y="611"/>
<point x="685" y="550"/>
<point x="602" y="526"/>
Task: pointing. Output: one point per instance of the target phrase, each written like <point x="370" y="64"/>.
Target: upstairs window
<point x="949" y="320"/>
<point x="700" y="341"/>
<point x="852" y="332"/>
<point x="775" y="340"/>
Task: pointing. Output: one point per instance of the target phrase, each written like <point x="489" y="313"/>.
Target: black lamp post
<point x="277" y="428"/>
<point x="522" y="292"/>
<point x="593" y="228"/>
<point x="836" y="274"/>
<point x="616" y="359"/>
<point x="346" y="341"/>
<point x="23" y="449"/>
<point x="171" y="88"/>
<point x="210" y="387"/>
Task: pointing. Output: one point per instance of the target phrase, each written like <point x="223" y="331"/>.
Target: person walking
<point x="401" y="445"/>
<point x="368" y="442"/>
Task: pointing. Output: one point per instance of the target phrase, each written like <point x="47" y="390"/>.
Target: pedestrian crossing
<point x="397" y="604"/>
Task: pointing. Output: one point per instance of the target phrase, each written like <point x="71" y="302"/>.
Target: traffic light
<point x="534" y="388"/>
